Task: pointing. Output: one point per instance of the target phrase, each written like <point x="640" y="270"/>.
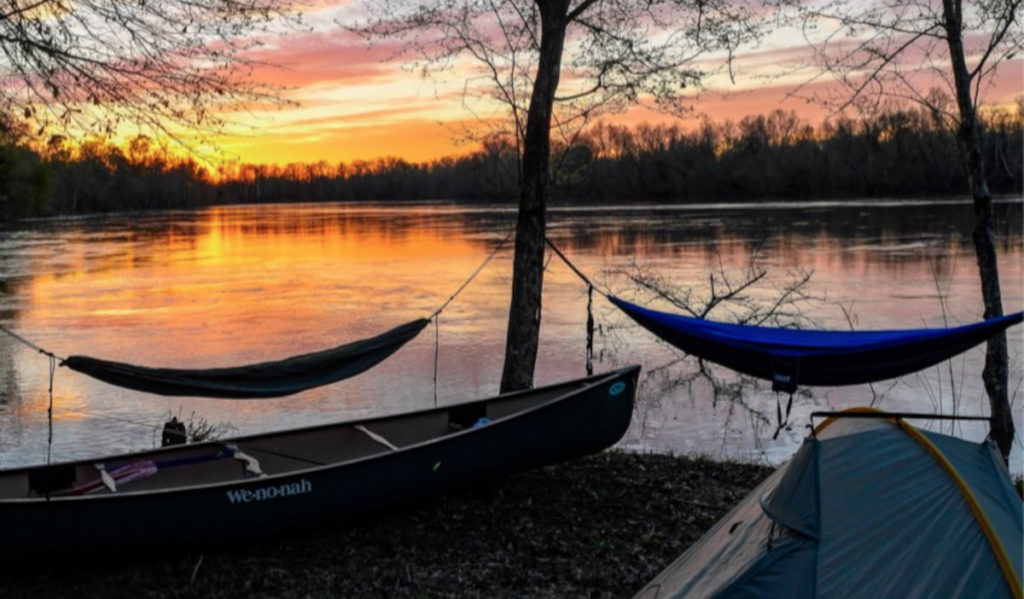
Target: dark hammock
<point x="790" y="357"/>
<point x="267" y="379"/>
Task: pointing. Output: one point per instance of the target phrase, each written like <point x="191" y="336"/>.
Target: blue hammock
<point x="790" y="357"/>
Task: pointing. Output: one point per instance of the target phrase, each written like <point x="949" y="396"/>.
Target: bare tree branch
<point x="906" y="40"/>
<point x="171" y="66"/>
<point x="618" y="52"/>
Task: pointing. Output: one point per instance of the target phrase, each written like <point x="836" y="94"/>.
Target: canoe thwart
<point x="108" y="481"/>
<point x="379" y="439"/>
<point x="252" y="465"/>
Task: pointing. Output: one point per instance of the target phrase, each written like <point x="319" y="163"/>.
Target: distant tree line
<point x="94" y="175"/>
<point x="897" y="153"/>
<point x="776" y="156"/>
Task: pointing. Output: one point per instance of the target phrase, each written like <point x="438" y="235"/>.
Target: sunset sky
<point x="355" y="102"/>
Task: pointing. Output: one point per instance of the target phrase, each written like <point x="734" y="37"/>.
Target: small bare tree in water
<point x="166" y="65"/>
<point x="178" y="430"/>
<point x="612" y="53"/>
<point x="887" y="48"/>
<point x="750" y="295"/>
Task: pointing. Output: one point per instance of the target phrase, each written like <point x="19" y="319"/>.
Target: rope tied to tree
<point x="476" y="272"/>
<point x="573" y="268"/>
<point x="436" y="316"/>
<point x="29" y="344"/>
<point x="590" y="303"/>
<point x="53" y="359"/>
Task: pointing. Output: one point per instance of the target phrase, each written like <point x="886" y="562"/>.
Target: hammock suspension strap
<point x="436" y="315"/>
<point x="781" y="421"/>
<point x="55" y="360"/>
<point x="590" y="330"/>
<point x="28" y="343"/>
<point x="49" y="410"/>
<point x="573" y="268"/>
<point x="52" y="358"/>
<point x="478" y="270"/>
<point x="437" y="351"/>
<point x="591" y="288"/>
<point x="590" y="302"/>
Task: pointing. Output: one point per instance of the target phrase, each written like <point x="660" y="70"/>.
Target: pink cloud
<point x="339" y="56"/>
<point x="723" y="104"/>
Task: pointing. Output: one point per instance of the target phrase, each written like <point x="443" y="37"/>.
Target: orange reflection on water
<point x="234" y="285"/>
<point x="227" y="262"/>
<point x="244" y="284"/>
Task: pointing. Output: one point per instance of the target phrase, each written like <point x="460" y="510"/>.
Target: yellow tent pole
<point x="972" y="502"/>
<point x="858" y="410"/>
<point x="1002" y="558"/>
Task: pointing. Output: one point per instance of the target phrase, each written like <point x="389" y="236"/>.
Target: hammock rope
<point x="437" y="351"/>
<point x="60" y="360"/>
<point x="56" y="360"/>
<point x="591" y="288"/>
<point x="573" y="268"/>
<point x="49" y="410"/>
<point x="473" y="276"/>
<point x="590" y="330"/>
<point x="29" y="344"/>
<point x="436" y="315"/>
<point x="790" y="358"/>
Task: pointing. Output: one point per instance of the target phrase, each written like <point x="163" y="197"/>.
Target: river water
<point x="231" y="285"/>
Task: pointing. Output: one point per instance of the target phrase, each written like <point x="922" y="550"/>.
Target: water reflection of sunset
<point x="232" y="285"/>
<point x="242" y="269"/>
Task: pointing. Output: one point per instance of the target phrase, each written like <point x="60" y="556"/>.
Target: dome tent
<point x="866" y="508"/>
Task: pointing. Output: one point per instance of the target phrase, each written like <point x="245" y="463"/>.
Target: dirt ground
<point x="597" y="527"/>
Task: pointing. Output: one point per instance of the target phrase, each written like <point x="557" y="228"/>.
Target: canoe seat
<point x="462" y="417"/>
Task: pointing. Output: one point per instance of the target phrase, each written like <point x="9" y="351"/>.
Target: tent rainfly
<point x="866" y="508"/>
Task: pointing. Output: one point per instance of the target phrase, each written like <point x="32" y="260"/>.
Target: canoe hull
<point x="574" y="425"/>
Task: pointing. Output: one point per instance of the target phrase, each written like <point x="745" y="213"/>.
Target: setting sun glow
<point x="356" y="101"/>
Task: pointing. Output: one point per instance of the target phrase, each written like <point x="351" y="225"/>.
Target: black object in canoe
<point x="247" y="487"/>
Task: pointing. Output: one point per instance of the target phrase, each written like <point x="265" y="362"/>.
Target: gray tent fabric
<point x="263" y="380"/>
<point x="723" y="554"/>
<point x="794" y="502"/>
<point x="865" y="509"/>
<point x="984" y="471"/>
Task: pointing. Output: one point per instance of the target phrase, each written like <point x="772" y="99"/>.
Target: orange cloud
<point x="415" y="140"/>
<point x="358" y="102"/>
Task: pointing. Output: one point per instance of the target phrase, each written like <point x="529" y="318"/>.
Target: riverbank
<point x="597" y="527"/>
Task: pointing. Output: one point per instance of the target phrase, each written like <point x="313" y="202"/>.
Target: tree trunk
<point x="528" y="266"/>
<point x="995" y="374"/>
